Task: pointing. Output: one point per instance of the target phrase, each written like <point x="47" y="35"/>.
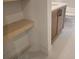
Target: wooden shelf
<point x="13" y="29"/>
<point x="9" y="0"/>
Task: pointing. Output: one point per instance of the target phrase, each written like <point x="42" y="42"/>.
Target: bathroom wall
<point x="36" y="10"/>
<point x="39" y="11"/>
<point x="49" y="28"/>
<point x="32" y="10"/>
<point x="13" y="12"/>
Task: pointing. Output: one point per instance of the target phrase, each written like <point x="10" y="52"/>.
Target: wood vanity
<point x="58" y="16"/>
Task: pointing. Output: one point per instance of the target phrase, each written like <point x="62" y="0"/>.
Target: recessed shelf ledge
<point x="15" y="28"/>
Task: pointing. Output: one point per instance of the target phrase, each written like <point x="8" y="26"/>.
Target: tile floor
<point x="33" y="55"/>
<point x="63" y="46"/>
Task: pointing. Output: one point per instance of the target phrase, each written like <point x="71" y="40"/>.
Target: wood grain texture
<point x="54" y="23"/>
<point x="57" y="21"/>
<point x="8" y="0"/>
<point x="13" y="29"/>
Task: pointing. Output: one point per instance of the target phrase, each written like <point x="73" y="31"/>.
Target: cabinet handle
<point x="59" y="12"/>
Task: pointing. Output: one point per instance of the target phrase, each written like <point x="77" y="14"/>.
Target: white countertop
<point x="56" y="5"/>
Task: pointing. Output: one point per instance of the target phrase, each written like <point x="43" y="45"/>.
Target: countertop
<point x="57" y="5"/>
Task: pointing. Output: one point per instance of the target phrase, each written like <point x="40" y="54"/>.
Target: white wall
<point x="39" y="11"/>
<point x="49" y="28"/>
<point x="13" y="12"/>
<point x="36" y="10"/>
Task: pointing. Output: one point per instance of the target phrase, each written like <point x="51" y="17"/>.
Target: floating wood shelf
<point x="9" y="0"/>
<point x="13" y="29"/>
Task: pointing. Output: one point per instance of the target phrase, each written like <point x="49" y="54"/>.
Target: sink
<point x="57" y="5"/>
